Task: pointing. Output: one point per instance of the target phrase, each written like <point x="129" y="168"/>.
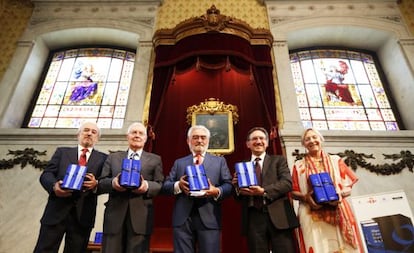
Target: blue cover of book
<point x="130" y="173"/>
<point x="245" y="174"/>
<point x="373" y="238"/>
<point x="74" y="177"/>
<point x="192" y="178"/>
<point x="328" y="186"/>
<point x="197" y="178"/>
<point x="318" y="190"/>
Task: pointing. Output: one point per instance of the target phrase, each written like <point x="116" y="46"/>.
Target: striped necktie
<point x="134" y="156"/>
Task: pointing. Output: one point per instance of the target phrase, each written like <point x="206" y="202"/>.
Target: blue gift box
<point x="197" y="178"/>
<point x="246" y="175"/>
<point x="74" y="177"/>
<point x="130" y="173"/>
<point x="323" y="187"/>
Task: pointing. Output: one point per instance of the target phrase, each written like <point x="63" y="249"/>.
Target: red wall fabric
<point x="205" y="66"/>
<point x="189" y="89"/>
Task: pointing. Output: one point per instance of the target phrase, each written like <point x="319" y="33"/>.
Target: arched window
<point x="84" y="84"/>
<point x="340" y="90"/>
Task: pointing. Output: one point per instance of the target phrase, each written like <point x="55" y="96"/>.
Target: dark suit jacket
<point x="277" y="182"/>
<point x="209" y="209"/>
<point x="85" y="202"/>
<point x="140" y="206"/>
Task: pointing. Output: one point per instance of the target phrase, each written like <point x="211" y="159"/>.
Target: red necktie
<point x="82" y="159"/>
<point x="258" y="200"/>
<point x="198" y="159"/>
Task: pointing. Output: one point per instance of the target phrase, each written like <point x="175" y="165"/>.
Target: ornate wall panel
<point x="407" y="10"/>
<point x="173" y="12"/>
<point x="14" y="16"/>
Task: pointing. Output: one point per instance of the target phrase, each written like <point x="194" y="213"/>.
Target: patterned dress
<point x="329" y="229"/>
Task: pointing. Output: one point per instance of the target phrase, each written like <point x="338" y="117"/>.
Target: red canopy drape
<point x="210" y="65"/>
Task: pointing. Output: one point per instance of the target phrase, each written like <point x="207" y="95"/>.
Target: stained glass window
<point x="84" y="84"/>
<point x="340" y="90"/>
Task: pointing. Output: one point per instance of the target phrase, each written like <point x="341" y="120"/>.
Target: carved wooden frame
<point x="219" y="118"/>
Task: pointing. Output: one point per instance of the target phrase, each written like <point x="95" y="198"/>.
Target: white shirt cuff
<point x="177" y="189"/>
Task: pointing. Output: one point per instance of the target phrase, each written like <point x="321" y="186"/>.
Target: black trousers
<point x="263" y="236"/>
<point x="76" y="236"/>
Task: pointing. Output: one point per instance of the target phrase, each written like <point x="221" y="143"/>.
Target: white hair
<point x="311" y="129"/>
<point x="201" y="127"/>
<point x="136" y="124"/>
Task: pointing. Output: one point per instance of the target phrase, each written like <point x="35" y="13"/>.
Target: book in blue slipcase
<point x="329" y="187"/>
<point x="202" y="177"/>
<point x="98" y="237"/>
<point x="245" y="174"/>
<point x="318" y="190"/>
<point x="130" y="173"/>
<point x="192" y="178"/>
<point x="197" y="178"/>
<point x="74" y="177"/>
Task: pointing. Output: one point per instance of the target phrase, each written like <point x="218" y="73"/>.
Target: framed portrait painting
<point x="220" y="125"/>
<point x="219" y="119"/>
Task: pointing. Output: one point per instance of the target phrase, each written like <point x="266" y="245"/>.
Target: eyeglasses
<point x="196" y="137"/>
<point x="257" y="138"/>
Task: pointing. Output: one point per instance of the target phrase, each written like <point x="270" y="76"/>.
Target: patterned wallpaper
<point x="14" y="17"/>
<point x="407" y="10"/>
<point x="15" y="14"/>
<point x="173" y="12"/>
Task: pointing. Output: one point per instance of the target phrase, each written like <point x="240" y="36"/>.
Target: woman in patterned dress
<point x="330" y="227"/>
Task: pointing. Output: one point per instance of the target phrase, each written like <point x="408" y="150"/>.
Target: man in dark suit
<point x="128" y="218"/>
<point x="268" y="217"/>
<point x="197" y="215"/>
<point x="68" y="212"/>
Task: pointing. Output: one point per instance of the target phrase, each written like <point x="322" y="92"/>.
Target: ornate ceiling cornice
<point x="213" y="22"/>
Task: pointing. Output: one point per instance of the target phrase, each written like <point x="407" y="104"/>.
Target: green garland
<point x="24" y="157"/>
<point x="353" y="160"/>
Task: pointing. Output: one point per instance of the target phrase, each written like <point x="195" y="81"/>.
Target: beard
<point x="198" y="148"/>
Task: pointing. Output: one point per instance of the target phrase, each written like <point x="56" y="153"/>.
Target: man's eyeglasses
<point x="257" y="138"/>
<point x="196" y="137"/>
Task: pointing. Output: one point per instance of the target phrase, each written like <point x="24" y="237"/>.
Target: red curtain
<point x="206" y="66"/>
